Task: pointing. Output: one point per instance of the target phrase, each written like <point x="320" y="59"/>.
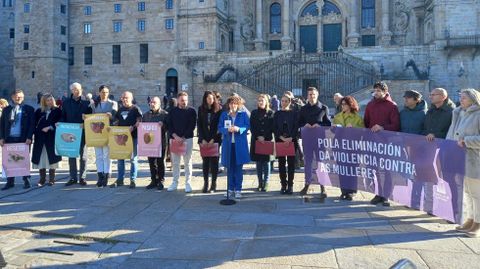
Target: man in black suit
<point x="17" y="124"/>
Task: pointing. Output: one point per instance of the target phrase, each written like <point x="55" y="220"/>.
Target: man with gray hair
<point x="73" y="111"/>
<point x="439" y="116"/>
<point x="337" y="98"/>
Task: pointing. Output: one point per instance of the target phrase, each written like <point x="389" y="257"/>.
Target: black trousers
<point x="210" y="164"/>
<point x="282" y="162"/>
<point x="157" y="169"/>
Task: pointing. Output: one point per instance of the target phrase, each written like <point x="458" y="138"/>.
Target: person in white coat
<point x="465" y="129"/>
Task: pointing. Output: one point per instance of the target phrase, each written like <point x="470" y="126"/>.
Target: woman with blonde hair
<point x="261" y="126"/>
<point x="465" y="129"/>
<point x="43" y="154"/>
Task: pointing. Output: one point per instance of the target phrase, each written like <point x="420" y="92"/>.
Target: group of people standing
<point x="227" y="125"/>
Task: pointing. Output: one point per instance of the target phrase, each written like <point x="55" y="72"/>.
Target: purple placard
<point x="406" y="168"/>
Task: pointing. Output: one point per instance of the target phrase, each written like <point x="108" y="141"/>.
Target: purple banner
<point x="405" y="168"/>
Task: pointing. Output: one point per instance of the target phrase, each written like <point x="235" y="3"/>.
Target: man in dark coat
<point x="312" y="115"/>
<point x="73" y="111"/>
<point x="413" y="114"/>
<point x="439" y="116"/>
<point x="17" y="124"/>
<point x="382" y="114"/>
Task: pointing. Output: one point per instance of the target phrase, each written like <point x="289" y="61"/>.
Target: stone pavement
<point x="88" y="227"/>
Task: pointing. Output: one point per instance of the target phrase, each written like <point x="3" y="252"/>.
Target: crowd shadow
<point x="135" y="218"/>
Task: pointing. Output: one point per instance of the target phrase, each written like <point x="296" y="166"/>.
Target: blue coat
<point x="241" y="144"/>
<point x="411" y="120"/>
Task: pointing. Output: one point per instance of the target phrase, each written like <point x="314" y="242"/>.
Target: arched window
<point x="275" y="18"/>
<point x="368" y="13"/>
<point x="328" y="7"/>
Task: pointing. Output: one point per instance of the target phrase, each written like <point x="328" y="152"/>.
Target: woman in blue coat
<point x="233" y="125"/>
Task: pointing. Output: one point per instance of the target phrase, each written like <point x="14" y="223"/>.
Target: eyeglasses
<point x="344" y="104"/>
<point x="433" y="94"/>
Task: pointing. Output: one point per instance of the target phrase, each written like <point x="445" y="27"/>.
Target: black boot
<point x="205" y="186"/>
<point x="213" y="187"/>
<point x="26" y="182"/>
<point x="160" y="185"/>
<point x="105" y="179"/>
<point x="153" y="184"/>
<point x="100" y="179"/>
<point x="289" y="189"/>
<point x="260" y="185"/>
<point x="323" y="194"/>
<point x="10" y="183"/>
<point x="304" y="191"/>
<point x="43" y="177"/>
<point x="51" y="177"/>
<point x="283" y="182"/>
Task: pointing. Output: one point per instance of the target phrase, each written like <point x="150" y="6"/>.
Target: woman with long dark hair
<point x="207" y="128"/>
<point x="348" y="117"/>
<point x="285" y="126"/>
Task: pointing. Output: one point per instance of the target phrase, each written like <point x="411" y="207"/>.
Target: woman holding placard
<point x="261" y="147"/>
<point x="348" y="117"/>
<point x="233" y="125"/>
<point x="209" y="138"/>
<point x="285" y="126"/>
<point x="102" y="154"/>
<point x="43" y="154"/>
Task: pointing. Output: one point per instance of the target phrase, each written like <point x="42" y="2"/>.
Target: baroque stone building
<point x="161" y="46"/>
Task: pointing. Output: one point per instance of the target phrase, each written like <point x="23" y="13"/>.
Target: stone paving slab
<point x="314" y="235"/>
<point x="419" y="241"/>
<point x="218" y="230"/>
<point x="273" y="251"/>
<point x="173" y="247"/>
<point x="375" y="258"/>
<point x="447" y="260"/>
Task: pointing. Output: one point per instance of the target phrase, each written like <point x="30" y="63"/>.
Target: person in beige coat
<point x="465" y="129"/>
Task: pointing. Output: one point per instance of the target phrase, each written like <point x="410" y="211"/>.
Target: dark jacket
<point x="159" y="116"/>
<point x="182" y="122"/>
<point x="412" y="120"/>
<point x="383" y="112"/>
<point x="72" y="110"/>
<point x="261" y="124"/>
<point x="438" y="120"/>
<point x="285" y="124"/>
<point x="45" y="139"/>
<point x="208" y="128"/>
<point x="317" y="113"/>
<point x="28" y="123"/>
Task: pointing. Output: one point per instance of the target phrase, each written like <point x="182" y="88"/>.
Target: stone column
<point x="320" y="26"/>
<point x="386" y="38"/>
<point x="353" y="36"/>
<point x="259" y="44"/>
<point x="286" y="39"/>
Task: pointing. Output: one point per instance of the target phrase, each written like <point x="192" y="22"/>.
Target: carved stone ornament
<point x="401" y="17"/>
<point x="308" y="20"/>
<point x="332" y="17"/>
<point x="246" y="28"/>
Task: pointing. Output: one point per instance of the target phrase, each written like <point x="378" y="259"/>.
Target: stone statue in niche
<point x="246" y="31"/>
<point x="401" y="16"/>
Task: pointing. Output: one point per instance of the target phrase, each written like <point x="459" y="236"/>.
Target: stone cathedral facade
<point x="157" y="47"/>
